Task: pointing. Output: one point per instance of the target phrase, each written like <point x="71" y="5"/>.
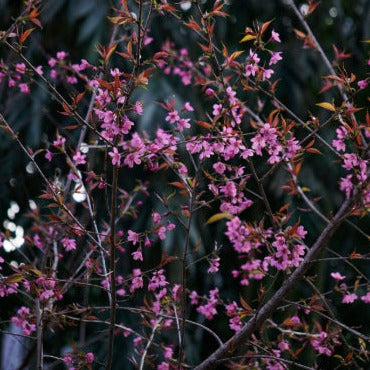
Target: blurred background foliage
<point x="77" y="26"/>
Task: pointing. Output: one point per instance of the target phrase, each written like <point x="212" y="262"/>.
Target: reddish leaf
<point x="24" y="35"/>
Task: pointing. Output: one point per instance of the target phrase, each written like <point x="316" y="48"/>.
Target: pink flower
<point x="266" y="74"/>
<point x="115" y="72"/>
<point x="214" y="264"/>
<point x="52" y="62"/>
<point x="210" y="92"/>
<point x="46" y="294"/>
<point x="219" y="167"/>
<point x="275" y="36"/>
<point x="22" y="321"/>
<point x="275" y="57"/>
<point x="251" y="69"/>
<point x="59" y="142"/>
<point x="193" y="297"/>
<point x="137" y="341"/>
<point x="349" y="298"/>
<point x="133" y="237"/>
<point x="116" y="157"/>
<point x="68" y="360"/>
<point x="138" y="107"/>
<point x="188" y="107"/>
<point x="137" y="281"/>
<point x="20" y="68"/>
<point x="217" y="109"/>
<point x="253" y="57"/>
<point x="89" y="358"/>
<point x="61" y="55"/>
<point x="346" y="185"/>
<point x="183" y="123"/>
<point x="337" y="276"/>
<point x="24" y="88"/>
<point x="362" y="84"/>
<point x="137" y="255"/>
<point x="168" y="352"/>
<point x="163" y="366"/>
<point x="173" y="116"/>
<point x="366" y="298"/>
<point x="49" y="155"/>
<point x="39" y="70"/>
<point x="68" y="244"/>
<point x="79" y="158"/>
<point x="156" y="217"/>
<point x="283" y="346"/>
<point x="161" y="232"/>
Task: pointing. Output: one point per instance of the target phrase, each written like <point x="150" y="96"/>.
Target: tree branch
<point x="268" y="309"/>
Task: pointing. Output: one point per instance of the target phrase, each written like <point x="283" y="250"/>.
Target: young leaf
<point x="327" y="106"/>
<point x="218" y="217"/>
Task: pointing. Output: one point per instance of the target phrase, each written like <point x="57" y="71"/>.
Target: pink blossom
<point x="275" y="57"/>
<point x="137" y="255"/>
<point x="116" y="157"/>
<point x="217" y="109"/>
<point x="214" y="264"/>
<point x="22" y="320"/>
<point x="366" y="298"/>
<point x="349" y="298"/>
<point x="283" y="346"/>
<point x="251" y="70"/>
<point x="168" y="352"/>
<point x="275" y="36"/>
<point x="219" y="167"/>
<point x="171" y="226"/>
<point x="253" y="57"/>
<point x="163" y="366"/>
<point x="339" y="145"/>
<point x="39" y="70"/>
<point x="133" y="237"/>
<point x="59" y="142"/>
<point x="52" y="62"/>
<point x="79" y="158"/>
<point x="115" y="72"/>
<point x="188" y="107"/>
<point x="362" y="84"/>
<point x="89" y="358"/>
<point x="24" y="88"/>
<point x="210" y="92"/>
<point x="346" y="185"/>
<point x="68" y="359"/>
<point x="161" y="232"/>
<point x="266" y="73"/>
<point x="301" y="232"/>
<point x="61" y="55"/>
<point x="46" y="294"/>
<point x="137" y="341"/>
<point x="337" y="276"/>
<point x="68" y="244"/>
<point x="156" y="217"/>
<point x="49" y="155"/>
<point x="137" y="281"/>
<point x="193" y="297"/>
<point x="183" y="123"/>
<point x="138" y="107"/>
<point x="158" y="280"/>
<point x="20" y="67"/>
<point x="173" y="116"/>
